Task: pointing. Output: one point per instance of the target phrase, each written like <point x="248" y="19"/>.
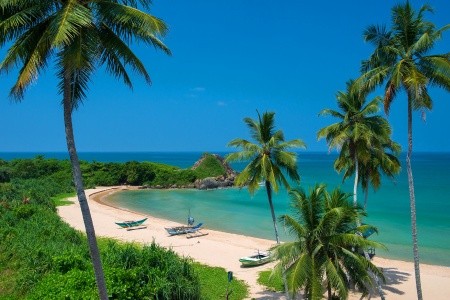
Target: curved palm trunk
<point x="78" y="180"/>
<point x="355" y="185"/>
<point x="366" y="196"/>
<point x="412" y="200"/>
<point x="358" y="223"/>
<point x="330" y="295"/>
<point x="272" y="211"/>
<point x="275" y="226"/>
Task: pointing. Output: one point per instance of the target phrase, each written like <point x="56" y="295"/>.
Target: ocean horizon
<point x="235" y="210"/>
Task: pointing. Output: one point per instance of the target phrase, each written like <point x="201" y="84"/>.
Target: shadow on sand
<point x="393" y="277"/>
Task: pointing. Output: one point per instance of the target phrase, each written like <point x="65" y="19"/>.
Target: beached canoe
<point x="256" y="260"/>
<point x="128" y="224"/>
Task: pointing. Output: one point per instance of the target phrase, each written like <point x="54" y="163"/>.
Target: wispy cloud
<point x="195" y="92"/>
<point x="221" y="103"/>
<point x="198" y="89"/>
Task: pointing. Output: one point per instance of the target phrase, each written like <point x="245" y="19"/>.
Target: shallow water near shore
<point x="235" y="210"/>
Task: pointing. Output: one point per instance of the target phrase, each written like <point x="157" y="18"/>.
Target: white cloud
<point x="198" y="89"/>
<point x="221" y="103"/>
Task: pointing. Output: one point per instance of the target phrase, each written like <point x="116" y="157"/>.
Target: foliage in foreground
<point x="42" y="257"/>
<point x="273" y="281"/>
<point x="326" y="255"/>
<point x="214" y="284"/>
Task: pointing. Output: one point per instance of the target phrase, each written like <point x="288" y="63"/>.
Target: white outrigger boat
<point x="262" y="257"/>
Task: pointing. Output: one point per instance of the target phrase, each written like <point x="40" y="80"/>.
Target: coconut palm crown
<point x="268" y="158"/>
<point x="326" y="252"/>
<point x="359" y="134"/>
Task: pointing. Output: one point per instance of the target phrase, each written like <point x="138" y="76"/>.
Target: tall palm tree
<point x="325" y="246"/>
<point x="268" y="158"/>
<point x="359" y="134"/>
<point x="79" y="36"/>
<point x="401" y="61"/>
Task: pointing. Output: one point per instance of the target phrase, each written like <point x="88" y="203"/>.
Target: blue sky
<point x="230" y="58"/>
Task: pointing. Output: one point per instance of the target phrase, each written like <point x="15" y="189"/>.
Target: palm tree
<point x="401" y="61"/>
<point x="385" y="162"/>
<point x="268" y="158"/>
<point x="359" y="134"/>
<point x="326" y="248"/>
<point x="79" y="36"/>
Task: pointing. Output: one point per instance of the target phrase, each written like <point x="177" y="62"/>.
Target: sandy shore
<point x="224" y="249"/>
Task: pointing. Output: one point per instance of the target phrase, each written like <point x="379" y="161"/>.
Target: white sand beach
<point x="224" y="250"/>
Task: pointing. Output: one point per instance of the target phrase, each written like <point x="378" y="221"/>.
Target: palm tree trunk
<point x="355" y="185"/>
<point x="366" y="195"/>
<point x="329" y="290"/>
<point x="272" y="211"/>
<point x="358" y="223"/>
<point x="412" y="200"/>
<point x="78" y="180"/>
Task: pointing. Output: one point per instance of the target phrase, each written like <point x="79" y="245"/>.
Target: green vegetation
<point x="214" y="282"/>
<point x="210" y="166"/>
<point x="56" y="174"/>
<point x="61" y="199"/>
<point x="273" y="281"/>
<point x="41" y="257"/>
<point x="327" y="253"/>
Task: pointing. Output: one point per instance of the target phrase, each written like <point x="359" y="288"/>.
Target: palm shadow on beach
<point x="394" y="277"/>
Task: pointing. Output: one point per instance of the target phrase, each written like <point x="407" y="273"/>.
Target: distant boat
<point x="256" y="260"/>
<point x="190" y="231"/>
<point x="129" y="224"/>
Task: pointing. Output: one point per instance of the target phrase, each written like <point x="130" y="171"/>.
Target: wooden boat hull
<point x="128" y="224"/>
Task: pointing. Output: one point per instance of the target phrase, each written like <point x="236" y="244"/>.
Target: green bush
<point x="73" y="285"/>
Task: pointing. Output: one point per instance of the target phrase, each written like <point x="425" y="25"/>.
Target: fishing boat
<point x="190" y="231"/>
<point x="129" y="224"/>
<point x="262" y="257"/>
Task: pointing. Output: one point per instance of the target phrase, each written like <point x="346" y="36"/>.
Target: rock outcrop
<point x="222" y="181"/>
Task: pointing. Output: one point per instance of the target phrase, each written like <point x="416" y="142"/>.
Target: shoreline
<point x="224" y="249"/>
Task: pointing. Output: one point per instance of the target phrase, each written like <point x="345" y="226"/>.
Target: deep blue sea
<point x="235" y="210"/>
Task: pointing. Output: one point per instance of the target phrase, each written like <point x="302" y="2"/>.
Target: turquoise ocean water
<point x="234" y="210"/>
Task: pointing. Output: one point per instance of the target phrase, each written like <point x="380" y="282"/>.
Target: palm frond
<point x="67" y="22"/>
<point x="115" y="49"/>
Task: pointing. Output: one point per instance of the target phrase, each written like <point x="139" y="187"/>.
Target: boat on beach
<point x="129" y="224"/>
<point x="190" y="231"/>
<point x="260" y="258"/>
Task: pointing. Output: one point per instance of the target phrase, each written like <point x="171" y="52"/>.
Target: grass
<point x="214" y="283"/>
<point x="272" y="282"/>
<point x="61" y="199"/>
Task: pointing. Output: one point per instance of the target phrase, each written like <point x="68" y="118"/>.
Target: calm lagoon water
<point x="234" y="210"/>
